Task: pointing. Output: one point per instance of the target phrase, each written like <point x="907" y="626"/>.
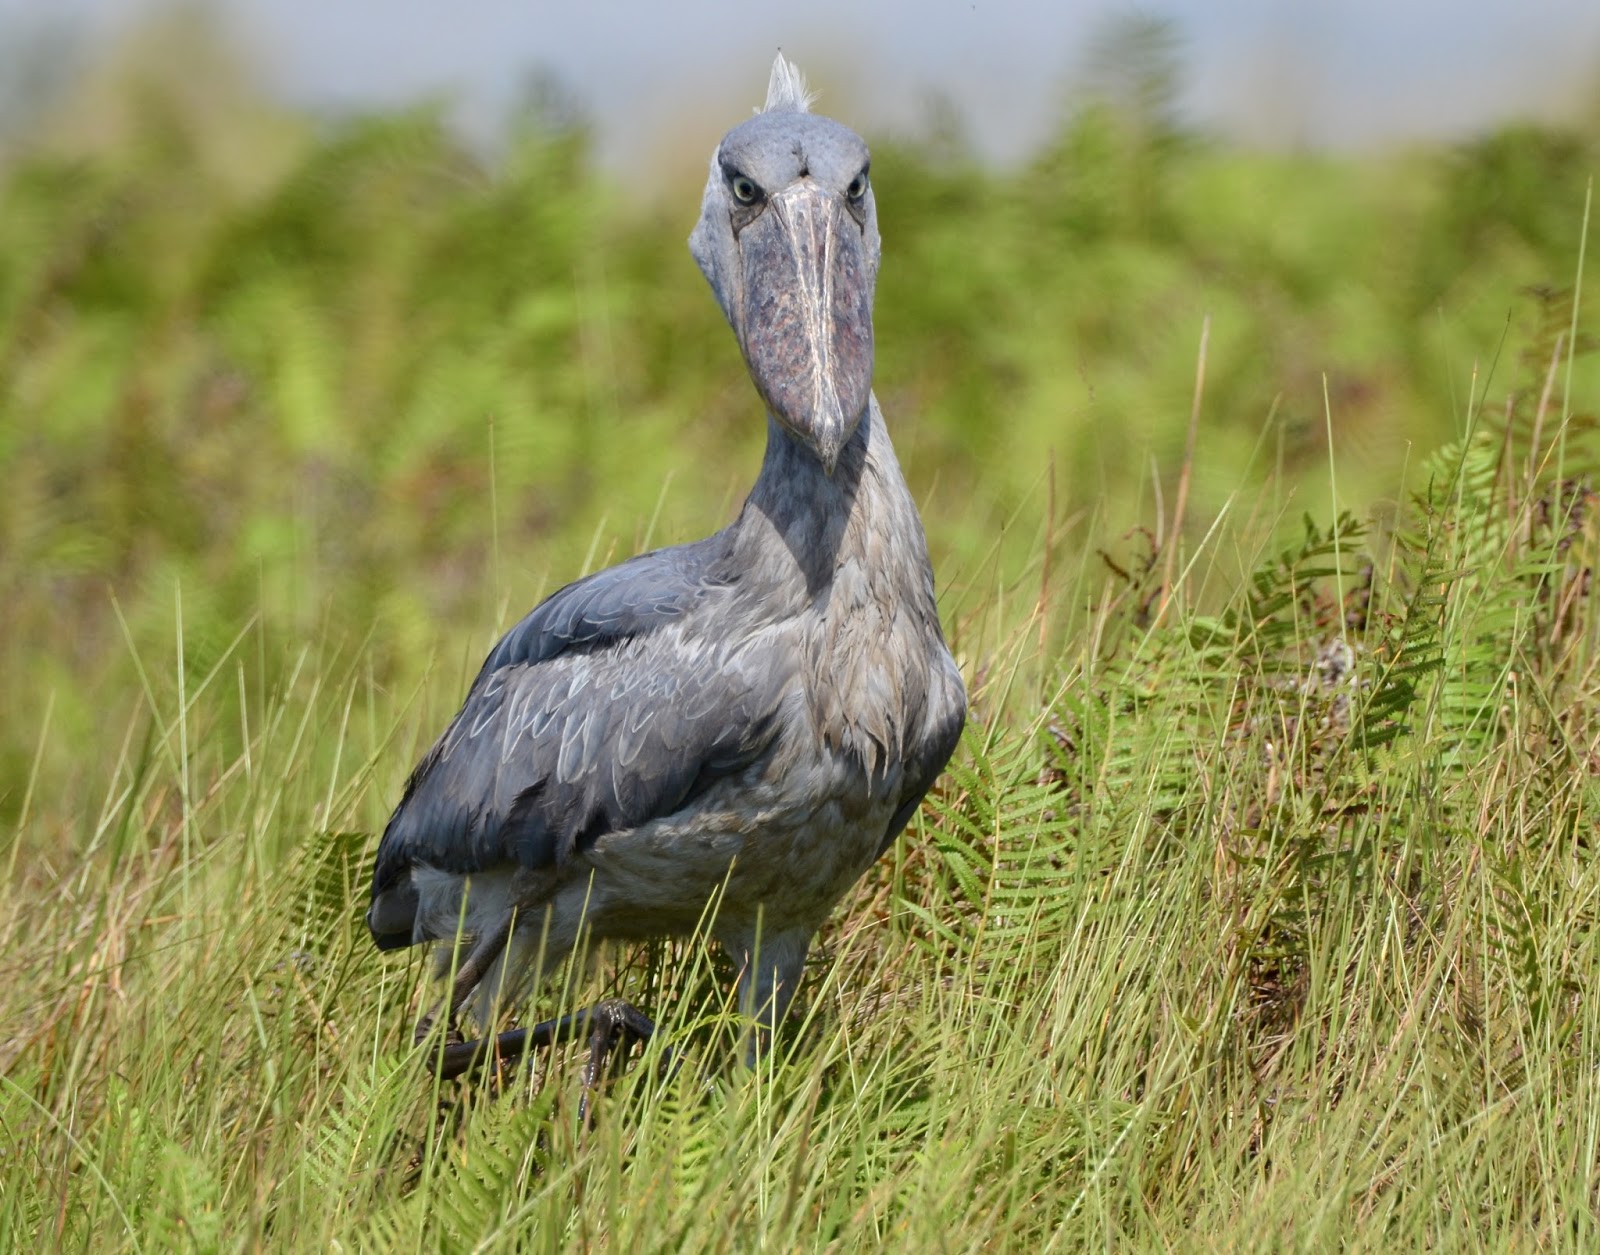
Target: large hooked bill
<point x="806" y="321"/>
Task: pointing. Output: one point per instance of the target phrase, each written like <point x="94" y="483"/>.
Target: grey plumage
<point x="753" y="717"/>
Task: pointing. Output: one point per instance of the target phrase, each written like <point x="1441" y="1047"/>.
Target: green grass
<point x="1246" y="937"/>
<point x="1257" y="910"/>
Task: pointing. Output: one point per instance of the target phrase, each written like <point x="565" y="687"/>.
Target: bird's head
<point x="788" y="238"/>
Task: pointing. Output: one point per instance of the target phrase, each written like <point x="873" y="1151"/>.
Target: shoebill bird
<point x="749" y="720"/>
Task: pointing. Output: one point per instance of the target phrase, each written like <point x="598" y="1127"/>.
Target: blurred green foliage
<point x="356" y="383"/>
<point x="1266" y="870"/>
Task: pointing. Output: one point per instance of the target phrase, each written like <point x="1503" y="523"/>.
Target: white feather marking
<point x="786" y="90"/>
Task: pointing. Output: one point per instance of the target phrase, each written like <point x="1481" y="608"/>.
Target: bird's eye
<point x="744" y="191"/>
<point x="858" y="186"/>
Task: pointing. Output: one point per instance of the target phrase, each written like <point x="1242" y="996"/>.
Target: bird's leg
<point x="476" y="965"/>
<point x="484" y="952"/>
<point x="770" y="967"/>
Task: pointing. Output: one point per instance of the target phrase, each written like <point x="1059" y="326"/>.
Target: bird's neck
<point x="821" y="521"/>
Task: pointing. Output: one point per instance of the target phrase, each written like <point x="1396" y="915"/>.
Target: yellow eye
<point x="744" y="191"/>
<point x="858" y="186"/>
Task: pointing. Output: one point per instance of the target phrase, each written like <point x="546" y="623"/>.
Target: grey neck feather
<point x="820" y="519"/>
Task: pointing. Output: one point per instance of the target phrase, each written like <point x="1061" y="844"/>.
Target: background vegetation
<point x="1258" y="909"/>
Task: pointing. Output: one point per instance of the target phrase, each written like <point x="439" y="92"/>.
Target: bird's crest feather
<point x="786" y="90"/>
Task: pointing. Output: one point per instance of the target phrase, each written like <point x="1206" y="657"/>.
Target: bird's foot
<point x="610" y="1024"/>
<point x="424" y="1029"/>
<point x="605" y="1026"/>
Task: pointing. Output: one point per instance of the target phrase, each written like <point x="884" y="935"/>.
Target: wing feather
<point x="610" y="704"/>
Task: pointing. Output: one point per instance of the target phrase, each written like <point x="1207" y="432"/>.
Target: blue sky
<point x="1279" y="71"/>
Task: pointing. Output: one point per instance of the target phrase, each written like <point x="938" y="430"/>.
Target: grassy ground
<point x="1257" y="910"/>
<point x="1273" y="927"/>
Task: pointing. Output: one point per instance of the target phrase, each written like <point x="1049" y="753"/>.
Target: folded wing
<point x="606" y="707"/>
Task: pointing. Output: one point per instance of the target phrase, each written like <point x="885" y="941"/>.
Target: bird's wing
<point x="609" y="705"/>
<point x="637" y="596"/>
<point x="925" y="758"/>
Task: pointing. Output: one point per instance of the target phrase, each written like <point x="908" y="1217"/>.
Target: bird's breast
<point x="785" y="841"/>
<point x="868" y="672"/>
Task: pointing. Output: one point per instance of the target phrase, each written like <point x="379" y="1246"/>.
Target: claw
<point x="609" y="1023"/>
<point x="605" y="1025"/>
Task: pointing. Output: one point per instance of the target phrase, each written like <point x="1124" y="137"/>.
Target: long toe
<point x="508" y="1048"/>
<point x="605" y="1026"/>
